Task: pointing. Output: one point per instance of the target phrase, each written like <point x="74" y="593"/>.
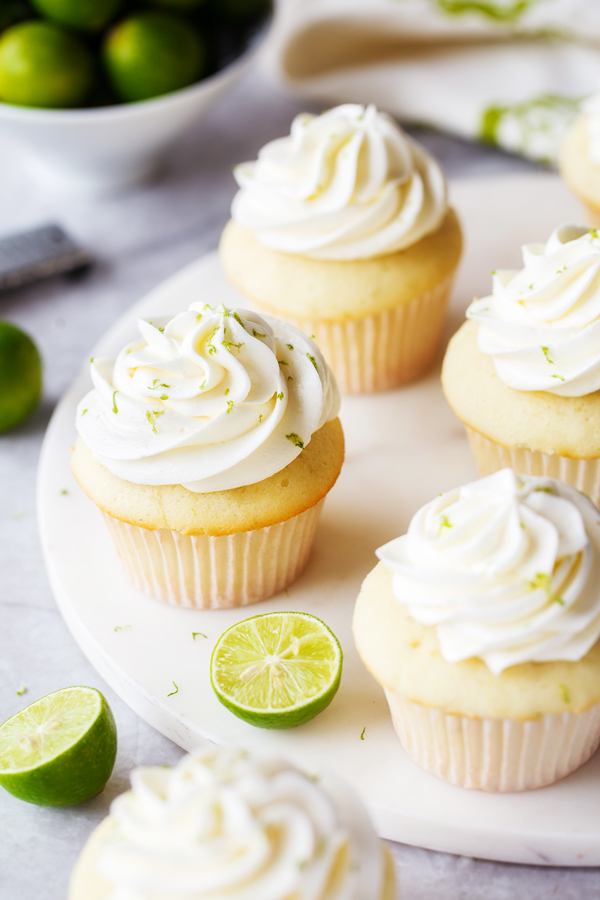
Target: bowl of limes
<point x="94" y="92"/>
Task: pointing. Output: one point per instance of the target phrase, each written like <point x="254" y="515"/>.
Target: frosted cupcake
<point x="343" y="228"/>
<point x="482" y="625"/>
<point x="580" y="157"/>
<point x="222" y="824"/>
<point x="523" y="373"/>
<point x="210" y="444"/>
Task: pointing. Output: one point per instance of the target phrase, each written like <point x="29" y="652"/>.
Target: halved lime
<point x="60" y="750"/>
<point x="277" y="670"/>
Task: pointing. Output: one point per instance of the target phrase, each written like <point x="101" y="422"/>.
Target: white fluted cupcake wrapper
<point x="583" y="474"/>
<point x="383" y="351"/>
<point x="206" y="572"/>
<point x="499" y="755"/>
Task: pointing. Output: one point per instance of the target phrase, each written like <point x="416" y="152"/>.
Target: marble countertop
<point x="138" y="239"/>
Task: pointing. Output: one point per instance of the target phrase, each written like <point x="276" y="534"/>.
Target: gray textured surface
<point x="138" y="240"/>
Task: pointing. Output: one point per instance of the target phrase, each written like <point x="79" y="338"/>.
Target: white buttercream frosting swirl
<point x="212" y="399"/>
<point x="541" y="325"/>
<point x="591" y="108"/>
<point x="504" y="569"/>
<point x="348" y="184"/>
<point x="224" y="826"/>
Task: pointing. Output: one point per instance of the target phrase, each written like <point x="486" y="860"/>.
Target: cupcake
<point x="222" y="824"/>
<point x="210" y="444"/>
<point x="523" y="373"/>
<point x="482" y="625"/>
<point x="343" y="228"/>
<point x="579" y="158"/>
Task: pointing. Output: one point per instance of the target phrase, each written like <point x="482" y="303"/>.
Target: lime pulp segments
<point x="60" y="750"/>
<point x="277" y="670"/>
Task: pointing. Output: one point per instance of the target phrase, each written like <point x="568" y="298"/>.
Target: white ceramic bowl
<point x="104" y="150"/>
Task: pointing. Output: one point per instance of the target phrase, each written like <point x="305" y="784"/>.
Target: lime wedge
<point x="60" y="750"/>
<point x="277" y="670"/>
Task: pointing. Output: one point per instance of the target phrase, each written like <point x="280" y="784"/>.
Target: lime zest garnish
<point x="362" y="734"/>
<point x="260" y="418"/>
<point x="290" y="346"/>
<point x="295" y="439"/>
<point x="121" y="627"/>
<point x="209" y="343"/>
<point x="445" y="522"/>
<point x="545" y="351"/>
<point x="229" y="344"/>
<point x="176" y="691"/>
<point x="84" y="411"/>
<point x="290" y="378"/>
<point x="227" y="391"/>
<point x="257" y="334"/>
<point x="64" y="492"/>
<point x="565" y="693"/>
<point x="115" y="410"/>
<point x="544" y="581"/>
<point x="280" y="395"/>
<point x="196" y="633"/>
<point x="313" y="361"/>
<point x="151" y="416"/>
<point x="229" y="406"/>
<point x="238" y="320"/>
<point x="21" y="690"/>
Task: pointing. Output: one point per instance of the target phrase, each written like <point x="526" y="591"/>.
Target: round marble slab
<point x="403" y="447"/>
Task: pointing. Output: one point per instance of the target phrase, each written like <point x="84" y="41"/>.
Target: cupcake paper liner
<point x="583" y="474"/>
<point x="383" y="351"/>
<point x="499" y="755"/>
<point x="206" y="572"/>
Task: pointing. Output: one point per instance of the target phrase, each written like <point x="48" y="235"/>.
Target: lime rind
<point x="277" y="670"/>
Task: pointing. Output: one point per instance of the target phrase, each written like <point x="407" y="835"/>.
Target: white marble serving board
<point x="403" y="447"/>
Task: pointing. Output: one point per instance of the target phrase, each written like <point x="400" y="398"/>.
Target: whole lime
<point x="83" y="15"/>
<point x="43" y="65"/>
<point x="20" y="376"/>
<point x="60" y="750"/>
<point x="153" y="53"/>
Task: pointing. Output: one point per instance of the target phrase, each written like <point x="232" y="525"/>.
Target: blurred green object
<point x="153" y="53"/>
<point x="177" y="5"/>
<point x="82" y="15"/>
<point x="237" y="11"/>
<point x="43" y="65"/>
<point x="20" y="376"/>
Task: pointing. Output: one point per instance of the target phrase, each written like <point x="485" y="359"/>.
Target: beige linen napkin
<point x="508" y="71"/>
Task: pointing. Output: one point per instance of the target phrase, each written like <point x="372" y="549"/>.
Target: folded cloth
<point x="511" y="72"/>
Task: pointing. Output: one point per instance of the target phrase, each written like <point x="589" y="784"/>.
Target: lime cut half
<point x="277" y="670"/>
<point x="60" y="750"/>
